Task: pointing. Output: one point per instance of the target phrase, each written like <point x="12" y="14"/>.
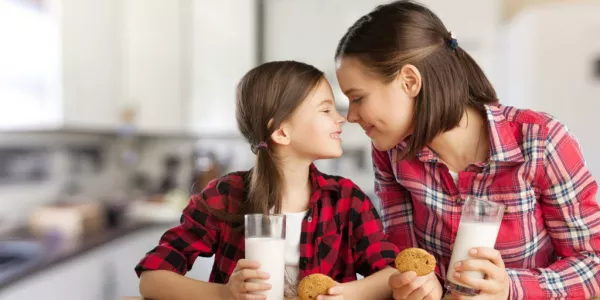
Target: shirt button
<point x="309" y="219"/>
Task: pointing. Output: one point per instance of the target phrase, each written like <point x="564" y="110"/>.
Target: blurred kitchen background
<point x="113" y="111"/>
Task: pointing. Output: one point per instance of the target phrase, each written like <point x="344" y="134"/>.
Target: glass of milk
<point x="265" y="243"/>
<point x="479" y="226"/>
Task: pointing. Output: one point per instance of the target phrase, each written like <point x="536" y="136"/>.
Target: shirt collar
<point x="503" y="139"/>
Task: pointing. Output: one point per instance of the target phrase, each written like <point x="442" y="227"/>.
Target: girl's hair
<point x="405" y="32"/>
<point x="266" y="96"/>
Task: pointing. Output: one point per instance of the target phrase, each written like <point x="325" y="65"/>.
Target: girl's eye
<point x="356" y="100"/>
<point x="326" y="111"/>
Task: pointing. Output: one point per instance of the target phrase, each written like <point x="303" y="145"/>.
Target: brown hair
<point x="266" y="96"/>
<point x="405" y="32"/>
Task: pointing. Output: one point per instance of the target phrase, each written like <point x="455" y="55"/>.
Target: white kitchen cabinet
<point x="223" y="49"/>
<point x="106" y="272"/>
<point x="63" y="68"/>
<point x="81" y="63"/>
<point x="155" y="36"/>
<point x="81" y="278"/>
<point x="126" y="252"/>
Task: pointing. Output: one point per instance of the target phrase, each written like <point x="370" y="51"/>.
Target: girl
<point x="439" y="135"/>
<point x="286" y="110"/>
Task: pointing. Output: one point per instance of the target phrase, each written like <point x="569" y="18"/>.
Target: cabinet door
<point x="91" y="63"/>
<point x="154" y="63"/>
<point x="126" y="253"/>
<point x="224" y="49"/>
<point x="81" y="278"/>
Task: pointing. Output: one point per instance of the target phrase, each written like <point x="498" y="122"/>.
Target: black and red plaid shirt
<point x="342" y="233"/>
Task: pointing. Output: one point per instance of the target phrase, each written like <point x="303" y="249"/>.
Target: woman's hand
<point x="408" y="285"/>
<point x="239" y="289"/>
<point x="495" y="284"/>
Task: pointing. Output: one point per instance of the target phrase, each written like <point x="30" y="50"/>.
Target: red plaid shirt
<point x="342" y="233"/>
<point x="550" y="234"/>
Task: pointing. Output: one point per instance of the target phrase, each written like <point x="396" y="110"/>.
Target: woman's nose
<point x="352" y="116"/>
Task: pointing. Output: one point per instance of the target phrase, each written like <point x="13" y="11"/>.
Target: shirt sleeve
<point x="197" y="235"/>
<point x="572" y="218"/>
<point x="396" y="204"/>
<point x="395" y="200"/>
<point x="372" y="250"/>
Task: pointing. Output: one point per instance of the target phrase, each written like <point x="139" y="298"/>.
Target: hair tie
<point x="452" y="42"/>
<point x="261" y="145"/>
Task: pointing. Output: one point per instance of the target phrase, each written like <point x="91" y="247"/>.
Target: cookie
<point x="417" y="260"/>
<point x="314" y="285"/>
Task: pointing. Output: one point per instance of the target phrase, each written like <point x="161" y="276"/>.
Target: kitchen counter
<point x="56" y="252"/>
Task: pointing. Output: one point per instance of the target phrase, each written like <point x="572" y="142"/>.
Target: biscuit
<point x="415" y="259"/>
<point x="314" y="285"/>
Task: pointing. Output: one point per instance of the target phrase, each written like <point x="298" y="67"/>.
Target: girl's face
<point x="314" y="129"/>
<point x="383" y="110"/>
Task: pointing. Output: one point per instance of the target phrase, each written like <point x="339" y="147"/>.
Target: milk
<point x="470" y="235"/>
<point x="269" y="252"/>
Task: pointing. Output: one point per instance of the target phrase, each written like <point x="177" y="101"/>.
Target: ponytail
<point x="265" y="184"/>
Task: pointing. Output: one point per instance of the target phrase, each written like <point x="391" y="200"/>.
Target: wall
<point x="29" y="78"/>
<point x="553" y="67"/>
<point x="290" y="35"/>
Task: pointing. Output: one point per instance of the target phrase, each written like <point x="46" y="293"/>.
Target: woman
<point x="439" y="135"/>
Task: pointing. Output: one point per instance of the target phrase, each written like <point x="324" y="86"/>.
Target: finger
<point x="396" y="294"/>
<point x="485" y="285"/>
<point x="247" y="264"/>
<point x="397" y="280"/>
<point x="252" y="297"/>
<point x="490" y="254"/>
<point x="336" y="290"/>
<point x="422" y="291"/>
<point x="461" y="297"/>
<point x="412" y="286"/>
<point x="254" y="287"/>
<point x="330" y="297"/>
<point x="478" y="265"/>
<point x="246" y="274"/>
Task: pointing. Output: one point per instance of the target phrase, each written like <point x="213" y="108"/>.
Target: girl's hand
<point x="495" y="284"/>
<point x="334" y="293"/>
<point x="239" y="289"/>
<point x="408" y="285"/>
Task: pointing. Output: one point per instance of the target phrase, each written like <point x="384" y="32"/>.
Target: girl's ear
<point x="281" y="135"/>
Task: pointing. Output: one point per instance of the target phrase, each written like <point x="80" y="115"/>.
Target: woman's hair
<point x="405" y="32"/>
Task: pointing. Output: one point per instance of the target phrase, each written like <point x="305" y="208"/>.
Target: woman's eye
<point x="356" y="100"/>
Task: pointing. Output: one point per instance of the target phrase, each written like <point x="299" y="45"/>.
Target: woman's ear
<point x="410" y="79"/>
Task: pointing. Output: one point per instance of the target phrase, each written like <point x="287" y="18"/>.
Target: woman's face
<point x="383" y="110"/>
